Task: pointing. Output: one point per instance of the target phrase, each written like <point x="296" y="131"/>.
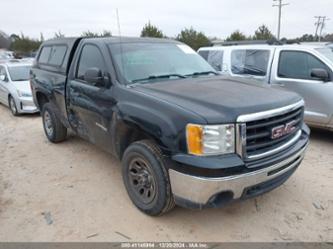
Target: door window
<point x="213" y="57"/>
<point x="57" y="55"/>
<point x="204" y="54"/>
<point x="90" y="57"/>
<point x="298" y="65"/>
<point x="250" y="62"/>
<point x="45" y="54"/>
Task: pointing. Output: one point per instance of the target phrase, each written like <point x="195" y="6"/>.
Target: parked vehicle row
<point x="6" y="55"/>
<point x="184" y="134"/>
<point x="15" y="91"/>
<point x="304" y="69"/>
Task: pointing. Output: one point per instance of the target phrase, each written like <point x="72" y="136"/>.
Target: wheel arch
<point x="8" y="96"/>
<point x="41" y="99"/>
<point x="124" y="133"/>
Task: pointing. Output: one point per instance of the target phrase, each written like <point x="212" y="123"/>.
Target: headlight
<point x="205" y="140"/>
<point x="23" y="94"/>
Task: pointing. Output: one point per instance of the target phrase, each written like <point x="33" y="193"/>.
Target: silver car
<point x="304" y="69"/>
<point x="15" y="91"/>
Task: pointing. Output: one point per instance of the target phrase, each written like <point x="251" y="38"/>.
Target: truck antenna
<point x="120" y="43"/>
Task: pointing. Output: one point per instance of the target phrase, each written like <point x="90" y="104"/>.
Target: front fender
<point x="156" y="118"/>
<point x="160" y="125"/>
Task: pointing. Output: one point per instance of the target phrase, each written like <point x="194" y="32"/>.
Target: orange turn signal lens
<point x="194" y="139"/>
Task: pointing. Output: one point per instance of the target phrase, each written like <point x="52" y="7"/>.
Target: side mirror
<point x="2" y="77"/>
<point x="94" y="76"/>
<point x="320" y="74"/>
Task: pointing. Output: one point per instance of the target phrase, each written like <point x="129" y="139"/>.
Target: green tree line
<point x="190" y="36"/>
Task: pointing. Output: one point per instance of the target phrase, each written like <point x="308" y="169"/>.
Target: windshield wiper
<point x="202" y="73"/>
<point x="163" y="76"/>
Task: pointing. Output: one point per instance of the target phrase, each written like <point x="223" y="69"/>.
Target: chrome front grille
<point x="259" y="133"/>
<point x="270" y="132"/>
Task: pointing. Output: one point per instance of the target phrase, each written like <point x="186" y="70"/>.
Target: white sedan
<point x="15" y="91"/>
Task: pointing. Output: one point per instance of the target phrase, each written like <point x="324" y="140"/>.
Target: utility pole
<point x="322" y="26"/>
<point x="279" y="5"/>
<point x="318" y="23"/>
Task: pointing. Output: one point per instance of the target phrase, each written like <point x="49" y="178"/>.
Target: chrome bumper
<point x="199" y="190"/>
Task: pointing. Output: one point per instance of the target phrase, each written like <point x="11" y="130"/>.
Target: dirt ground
<point x="73" y="191"/>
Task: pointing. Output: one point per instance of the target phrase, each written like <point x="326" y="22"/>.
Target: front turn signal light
<point x="194" y="139"/>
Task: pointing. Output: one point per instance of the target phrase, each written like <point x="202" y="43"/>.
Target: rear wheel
<point x="12" y="106"/>
<point x="54" y="130"/>
<point x="146" y="179"/>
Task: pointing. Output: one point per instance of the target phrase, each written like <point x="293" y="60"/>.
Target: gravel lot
<point x="74" y="192"/>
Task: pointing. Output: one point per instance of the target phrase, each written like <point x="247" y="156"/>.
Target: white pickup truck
<point x="305" y="69"/>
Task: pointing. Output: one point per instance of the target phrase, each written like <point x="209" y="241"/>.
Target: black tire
<point x="12" y="106"/>
<point x="161" y="199"/>
<point x="54" y="130"/>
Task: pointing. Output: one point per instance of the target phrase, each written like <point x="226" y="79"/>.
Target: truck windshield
<point x="148" y="62"/>
<point x="19" y="73"/>
<point x="327" y="52"/>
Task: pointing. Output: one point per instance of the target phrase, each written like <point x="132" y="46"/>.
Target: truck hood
<point x="219" y="100"/>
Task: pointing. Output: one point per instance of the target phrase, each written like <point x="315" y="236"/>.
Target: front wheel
<point x="146" y="179"/>
<point x="12" y="106"/>
<point x="55" y="131"/>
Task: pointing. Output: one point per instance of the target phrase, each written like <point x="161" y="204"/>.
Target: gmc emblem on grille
<point x="283" y="130"/>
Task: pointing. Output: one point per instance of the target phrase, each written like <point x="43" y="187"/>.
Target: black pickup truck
<point x="184" y="134"/>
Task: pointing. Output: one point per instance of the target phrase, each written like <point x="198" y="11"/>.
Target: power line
<point x="279" y="5"/>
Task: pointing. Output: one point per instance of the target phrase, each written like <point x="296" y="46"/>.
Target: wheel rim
<point x="12" y="105"/>
<point x="48" y="123"/>
<point x="142" y="180"/>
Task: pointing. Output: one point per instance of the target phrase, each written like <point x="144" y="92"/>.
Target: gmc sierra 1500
<point x="184" y="134"/>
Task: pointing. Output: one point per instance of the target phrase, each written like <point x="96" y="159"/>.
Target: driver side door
<point x="91" y="105"/>
<point x="293" y="72"/>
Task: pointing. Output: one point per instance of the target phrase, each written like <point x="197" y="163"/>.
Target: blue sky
<point x="213" y="17"/>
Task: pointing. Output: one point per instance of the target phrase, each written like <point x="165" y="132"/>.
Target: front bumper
<point x="193" y="191"/>
<point x="26" y="105"/>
